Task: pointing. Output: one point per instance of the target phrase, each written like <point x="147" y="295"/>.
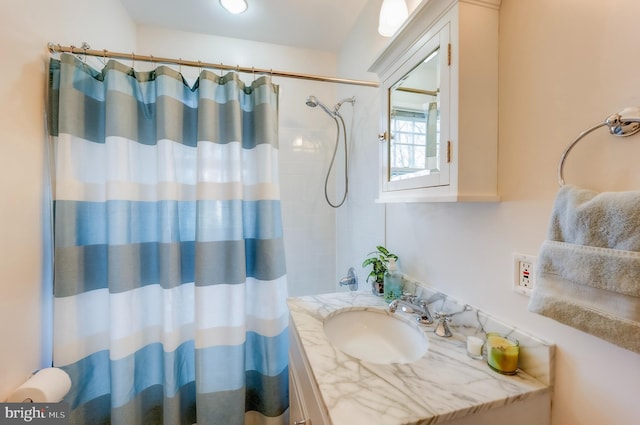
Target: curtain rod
<point x="86" y="50"/>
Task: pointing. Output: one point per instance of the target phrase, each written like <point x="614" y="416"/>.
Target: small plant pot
<point x="377" y="288"/>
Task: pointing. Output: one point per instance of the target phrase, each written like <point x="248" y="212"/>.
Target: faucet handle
<point x="442" y="316"/>
<point x="442" y="328"/>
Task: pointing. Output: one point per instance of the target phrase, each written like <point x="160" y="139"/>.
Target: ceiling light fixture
<point x="234" y="6"/>
<point x="393" y="13"/>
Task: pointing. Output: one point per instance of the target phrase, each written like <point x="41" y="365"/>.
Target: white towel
<point x="588" y="270"/>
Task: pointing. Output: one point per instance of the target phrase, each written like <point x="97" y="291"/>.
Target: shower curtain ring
<point x="74" y="53"/>
<point x="85" y="46"/>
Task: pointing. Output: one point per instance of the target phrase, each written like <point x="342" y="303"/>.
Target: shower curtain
<point x="169" y="275"/>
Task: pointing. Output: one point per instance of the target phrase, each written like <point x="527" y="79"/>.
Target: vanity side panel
<point x="308" y="399"/>
<point x="533" y="411"/>
<point x="477" y="60"/>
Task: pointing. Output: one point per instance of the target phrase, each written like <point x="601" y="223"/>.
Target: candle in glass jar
<point x="474" y="347"/>
<point x="502" y="353"/>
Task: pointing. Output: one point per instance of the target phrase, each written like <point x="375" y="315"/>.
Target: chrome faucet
<point x="413" y="303"/>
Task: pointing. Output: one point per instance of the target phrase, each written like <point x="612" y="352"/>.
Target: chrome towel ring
<point x="623" y="124"/>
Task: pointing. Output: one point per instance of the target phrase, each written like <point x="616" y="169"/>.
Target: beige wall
<point x="565" y="65"/>
<point x="25" y="29"/>
<point x="556" y="80"/>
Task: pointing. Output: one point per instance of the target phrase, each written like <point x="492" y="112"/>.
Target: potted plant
<point x="379" y="260"/>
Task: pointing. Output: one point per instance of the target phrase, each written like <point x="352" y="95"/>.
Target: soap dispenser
<point x="392" y="281"/>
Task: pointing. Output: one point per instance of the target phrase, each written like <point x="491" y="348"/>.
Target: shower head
<point x="313" y="101"/>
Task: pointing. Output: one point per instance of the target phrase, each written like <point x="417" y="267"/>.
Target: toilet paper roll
<point x="48" y="385"/>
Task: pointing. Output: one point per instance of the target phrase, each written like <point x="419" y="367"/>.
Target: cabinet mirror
<point x="415" y="156"/>
<point x="414" y="121"/>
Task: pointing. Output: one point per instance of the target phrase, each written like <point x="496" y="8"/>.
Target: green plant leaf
<point x="383" y="250"/>
<point x="368" y="261"/>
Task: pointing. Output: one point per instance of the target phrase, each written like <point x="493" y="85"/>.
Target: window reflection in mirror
<point x="414" y="122"/>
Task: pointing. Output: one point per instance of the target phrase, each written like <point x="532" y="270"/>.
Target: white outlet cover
<point x="517" y="259"/>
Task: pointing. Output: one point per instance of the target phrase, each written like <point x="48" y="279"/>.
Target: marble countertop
<point x="443" y="385"/>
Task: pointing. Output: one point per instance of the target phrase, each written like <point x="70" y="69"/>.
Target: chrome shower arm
<point x="351" y="100"/>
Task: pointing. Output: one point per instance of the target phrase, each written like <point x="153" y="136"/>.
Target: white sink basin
<point x="376" y="336"/>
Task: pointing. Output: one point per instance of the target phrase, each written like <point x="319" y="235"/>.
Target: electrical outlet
<point x="523" y="273"/>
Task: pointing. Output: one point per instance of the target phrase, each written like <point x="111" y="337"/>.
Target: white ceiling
<point x="314" y="24"/>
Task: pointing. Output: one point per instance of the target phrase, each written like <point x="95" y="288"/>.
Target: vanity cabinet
<point x="439" y="97"/>
<point x="305" y="405"/>
<point x="444" y="386"/>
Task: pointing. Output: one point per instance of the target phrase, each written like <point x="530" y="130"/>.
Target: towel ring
<point x="622" y="124"/>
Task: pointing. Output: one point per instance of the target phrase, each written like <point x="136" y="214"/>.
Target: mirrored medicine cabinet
<point x="439" y="88"/>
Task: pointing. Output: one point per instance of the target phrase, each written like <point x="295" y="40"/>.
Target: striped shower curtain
<point x="169" y="274"/>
